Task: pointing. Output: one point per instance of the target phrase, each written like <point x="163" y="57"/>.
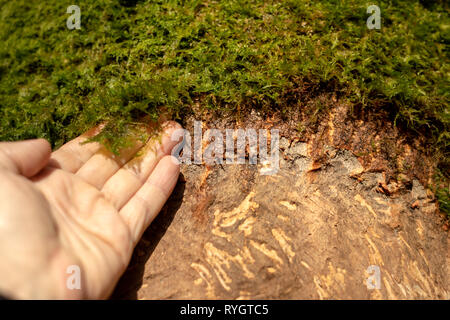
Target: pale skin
<point x="79" y="205"/>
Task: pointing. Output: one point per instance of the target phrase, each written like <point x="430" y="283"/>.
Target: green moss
<point x="442" y="192"/>
<point x="141" y="58"/>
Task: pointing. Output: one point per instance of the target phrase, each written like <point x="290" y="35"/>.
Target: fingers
<point x="25" y="157"/>
<point x="104" y="164"/>
<point x="119" y="188"/>
<point x="71" y="156"/>
<point x="143" y="207"/>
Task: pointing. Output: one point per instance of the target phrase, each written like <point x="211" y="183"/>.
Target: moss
<point x="134" y="59"/>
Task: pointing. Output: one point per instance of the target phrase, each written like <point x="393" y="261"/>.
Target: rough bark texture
<point x="302" y="234"/>
<point x="309" y="232"/>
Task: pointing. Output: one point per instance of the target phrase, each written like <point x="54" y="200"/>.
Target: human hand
<point x="79" y="205"/>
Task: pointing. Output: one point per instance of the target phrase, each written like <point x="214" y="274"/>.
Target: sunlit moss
<point x="136" y="58"/>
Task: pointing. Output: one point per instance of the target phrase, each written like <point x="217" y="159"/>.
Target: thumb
<point x="25" y="157"/>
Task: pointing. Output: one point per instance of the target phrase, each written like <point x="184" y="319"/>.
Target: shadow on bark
<point x="132" y="279"/>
